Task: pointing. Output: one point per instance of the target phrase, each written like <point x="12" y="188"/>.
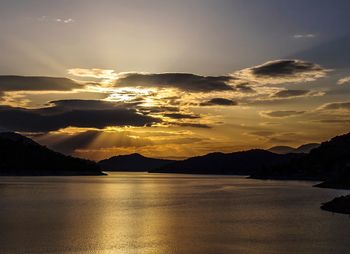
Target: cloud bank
<point x="184" y="81"/>
<point x="34" y="83"/>
<point x="289" y="93"/>
<point x="219" y="102"/>
<point x="281" y="113"/>
<point x="344" y="81"/>
<point x="282" y="71"/>
<point x="336" y="106"/>
<point x="77" y="113"/>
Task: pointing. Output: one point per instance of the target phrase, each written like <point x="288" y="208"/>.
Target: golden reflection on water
<point x="139" y="225"/>
<point x="148" y="214"/>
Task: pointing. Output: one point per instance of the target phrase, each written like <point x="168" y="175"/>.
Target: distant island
<point x="236" y="163"/>
<point x="132" y="163"/>
<point x="21" y="156"/>
<point x="338" y="205"/>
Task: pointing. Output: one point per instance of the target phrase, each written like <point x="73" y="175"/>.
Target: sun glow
<point x="130" y="94"/>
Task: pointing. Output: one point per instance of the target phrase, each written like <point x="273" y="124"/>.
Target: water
<point x="153" y="213"/>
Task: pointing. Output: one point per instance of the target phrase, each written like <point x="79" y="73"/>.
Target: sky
<point x="174" y="79"/>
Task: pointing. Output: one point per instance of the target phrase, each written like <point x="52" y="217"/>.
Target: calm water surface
<point x="153" y="213"/>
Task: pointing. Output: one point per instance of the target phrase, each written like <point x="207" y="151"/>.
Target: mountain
<point x="237" y="163"/>
<point x="306" y="148"/>
<point x="133" y="162"/>
<point x="287" y="149"/>
<point x="339" y="181"/>
<point x="329" y="162"/>
<point x="22" y="156"/>
<point x="281" y="149"/>
<point x="338" y="205"/>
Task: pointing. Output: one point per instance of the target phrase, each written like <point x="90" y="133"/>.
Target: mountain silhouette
<point x="281" y="149"/>
<point x="339" y="181"/>
<point x="22" y="156"/>
<point x="338" y="205"/>
<point x="329" y="162"/>
<point x="132" y="163"/>
<point x="287" y="149"/>
<point x="237" y="163"/>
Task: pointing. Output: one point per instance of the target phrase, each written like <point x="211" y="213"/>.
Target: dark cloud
<point x="244" y="88"/>
<point x="219" y="102"/>
<point x="284" y="68"/>
<point x="84" y="105"/>
<point x="32" y="83"/>
<point x="184" y="81"/>
<point x="282" y="71"/>
<point x="194" y="125"/>
<point x="181" y="116"/>
<point x="290" y="93"/>
<point x="335" y="121"/>
<point x="71" y="113"/>
<point x="160" y="109"/>
<point x="336" y="106"/>
<point x="281" y="113"/>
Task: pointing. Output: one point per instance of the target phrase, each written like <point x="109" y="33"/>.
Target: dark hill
<point x="338" y="205"/>
<point x="281" y="149"/>
<point x="306" y="148"/>
<point x="20" y="155"/>
<point x="340" y="181"/>
<point x="330" y="161"/>
<point x="287" y="149"/>
<point x="132" y="163"/>
<point x="237" y="163"/>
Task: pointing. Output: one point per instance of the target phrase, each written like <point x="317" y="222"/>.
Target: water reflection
<point x="140" y="213"/>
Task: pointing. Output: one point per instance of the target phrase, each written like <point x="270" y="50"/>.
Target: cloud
<point x="336" y="106"/>
<point x="344" y="80"/>
<point x="304" y="36"/>
<point x="219" y="102"/>
<point x="34" y="83"/>
<point x="335" y="121"/>
<point x="289" y="93"/>
<point x="93" y="73"/>
<point x="289" y="137"/>
<point x="76" y="113"/>
<point x="281" y="113"/>
<point x="263" y="133"/>
<point x="272" y="72"/>
<point x="64" y="20"/>
<point x="244" y="88"/>
<point x="184" y="81"/>
<point x="159" y="109"/>
<point x="194" y="125"/>
<point x="57" y="20"/>
<point x="282" y="71"/>
<point x="181" y="116"/>
<point x="67" y="105"/>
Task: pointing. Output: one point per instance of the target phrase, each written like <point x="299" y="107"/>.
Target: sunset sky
<point x="174" y="79"/>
